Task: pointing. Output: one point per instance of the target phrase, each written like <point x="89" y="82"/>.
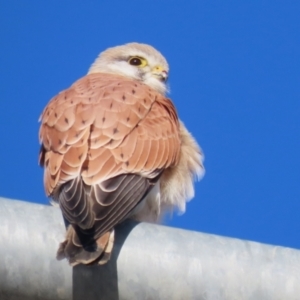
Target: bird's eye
<point x="137" y="61"/>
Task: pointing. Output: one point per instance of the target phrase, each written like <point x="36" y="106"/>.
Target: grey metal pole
<point x="148" y="262"/>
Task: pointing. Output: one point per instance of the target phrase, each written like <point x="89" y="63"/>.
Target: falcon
<point x="113" y="148"/>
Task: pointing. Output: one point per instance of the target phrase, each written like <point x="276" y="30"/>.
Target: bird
<point x="113" y="148"/>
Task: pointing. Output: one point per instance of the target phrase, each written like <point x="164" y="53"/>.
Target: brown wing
<point x="106" y="130"/>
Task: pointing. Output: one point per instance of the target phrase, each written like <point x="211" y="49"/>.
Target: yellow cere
<point x="158" y="69"/>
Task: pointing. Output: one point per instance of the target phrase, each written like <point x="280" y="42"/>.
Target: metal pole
<point x="148" y="262"/>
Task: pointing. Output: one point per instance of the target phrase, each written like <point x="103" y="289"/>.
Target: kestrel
<point x="112" y="148"/>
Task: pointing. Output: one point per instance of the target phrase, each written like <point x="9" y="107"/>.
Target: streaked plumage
<point x="112" y="148"/>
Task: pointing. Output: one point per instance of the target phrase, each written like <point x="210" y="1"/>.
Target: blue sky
<point x="234" y="79"/>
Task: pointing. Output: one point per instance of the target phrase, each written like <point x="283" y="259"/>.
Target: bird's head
<point x="136" y="61"/>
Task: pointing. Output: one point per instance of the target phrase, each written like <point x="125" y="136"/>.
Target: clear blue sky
<point x="235" y="72"/>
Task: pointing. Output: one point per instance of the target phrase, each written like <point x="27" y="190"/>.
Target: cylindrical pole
<point x="148" y="262"/>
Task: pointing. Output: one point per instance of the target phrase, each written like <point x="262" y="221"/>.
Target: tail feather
<point x="76" y="253"/>
<point x="108" y="249"/>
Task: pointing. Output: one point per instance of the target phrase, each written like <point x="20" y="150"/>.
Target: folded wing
<point x="105" y="142"/>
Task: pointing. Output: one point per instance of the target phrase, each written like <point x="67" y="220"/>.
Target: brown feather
<point x="100" y="129"/>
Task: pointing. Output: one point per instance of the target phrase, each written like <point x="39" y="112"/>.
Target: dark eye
<point x="135" y="61"/>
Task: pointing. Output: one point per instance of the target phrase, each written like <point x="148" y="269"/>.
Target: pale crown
<point x="153" y="71"/>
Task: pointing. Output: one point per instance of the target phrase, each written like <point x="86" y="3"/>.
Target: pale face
<point x="137" y="61"/>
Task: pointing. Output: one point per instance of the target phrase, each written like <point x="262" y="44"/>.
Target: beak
<point x="160" y="72"/>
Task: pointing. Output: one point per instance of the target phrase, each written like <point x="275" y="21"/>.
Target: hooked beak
<point x="160" y="73"/>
